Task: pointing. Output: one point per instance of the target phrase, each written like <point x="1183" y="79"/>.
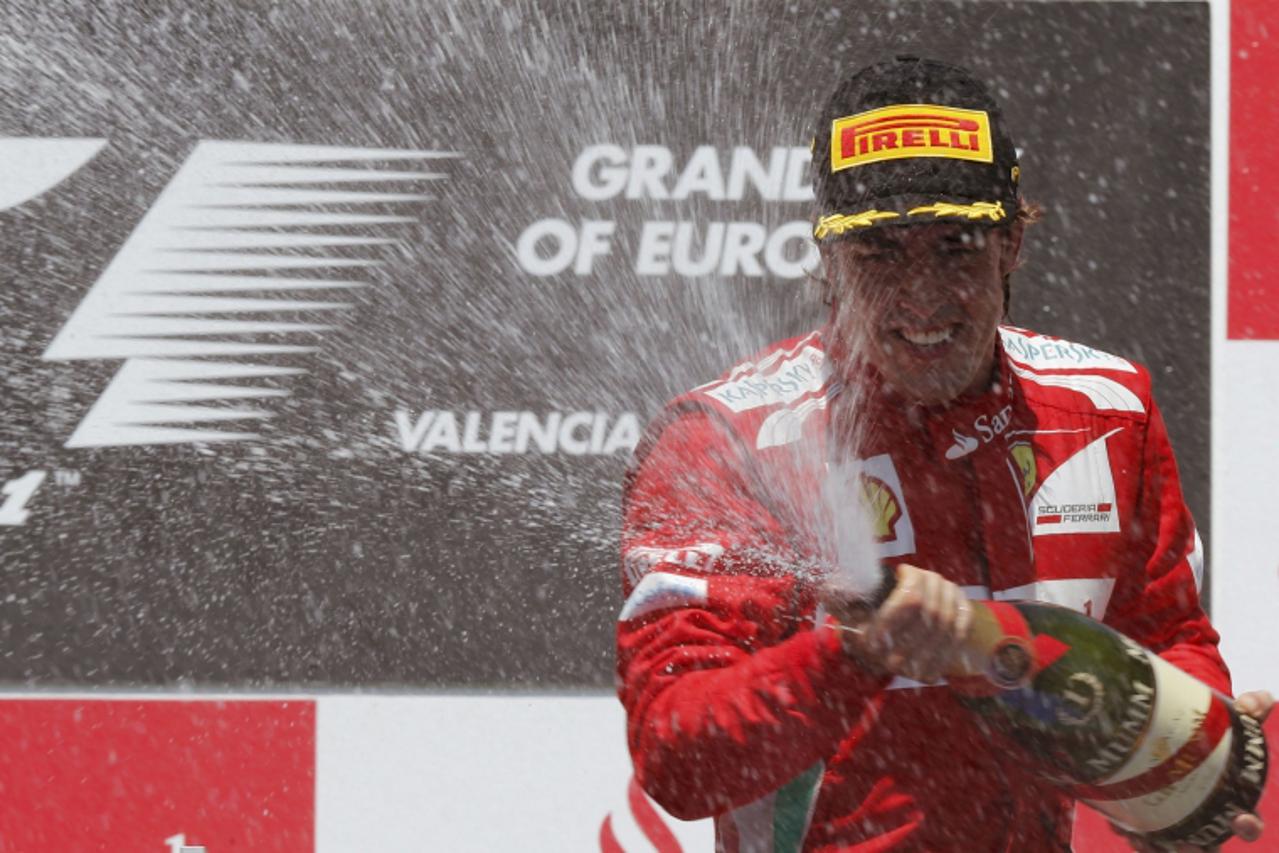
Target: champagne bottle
<point x="1152" y="748"/>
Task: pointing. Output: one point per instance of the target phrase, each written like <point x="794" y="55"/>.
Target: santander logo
<point x="986" y="426"/>
<point x="964" y="445"/>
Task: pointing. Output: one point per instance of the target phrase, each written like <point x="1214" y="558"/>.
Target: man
<point x="991" y="461"/>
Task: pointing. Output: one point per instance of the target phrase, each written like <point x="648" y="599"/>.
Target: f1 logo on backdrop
<point x="236" y="227"/>
<point x="31" y="167"/>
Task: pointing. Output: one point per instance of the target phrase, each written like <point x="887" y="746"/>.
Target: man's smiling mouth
<point x="927" y="337"/>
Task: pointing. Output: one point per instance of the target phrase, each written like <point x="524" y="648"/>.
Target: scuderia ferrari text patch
<point x="1078" y="497"/>
<point x="910" y="130"/>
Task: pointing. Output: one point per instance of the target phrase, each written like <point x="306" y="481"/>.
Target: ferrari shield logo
<point x="1024" y="456"/>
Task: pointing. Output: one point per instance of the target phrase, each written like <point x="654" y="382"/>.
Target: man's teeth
<point x="939" y="336"/>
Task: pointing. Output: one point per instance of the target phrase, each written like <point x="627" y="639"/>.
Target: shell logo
<point x="881" y="506"/>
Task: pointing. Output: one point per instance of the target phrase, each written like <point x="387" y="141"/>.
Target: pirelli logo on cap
<point x="910" y="130"/>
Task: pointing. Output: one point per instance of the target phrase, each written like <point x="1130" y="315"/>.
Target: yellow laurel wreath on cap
<point x="994" y="211"/>
<point x="837" y="223"/>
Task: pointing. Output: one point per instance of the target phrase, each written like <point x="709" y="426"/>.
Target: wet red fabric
<point x="731" y="684"/>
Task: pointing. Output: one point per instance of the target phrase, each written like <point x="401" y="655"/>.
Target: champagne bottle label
<point x="1130" y="726"/>
<point x="1114" y="724"/>
<point x="1174" y="763"/>
<point x="1235" y="794"/>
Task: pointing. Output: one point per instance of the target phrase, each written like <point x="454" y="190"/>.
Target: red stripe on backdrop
<point x="116" y="775"/>
<point x="650" y="822"/>
<point x="1094" y="835"/>
<point x="1252" y="310"/>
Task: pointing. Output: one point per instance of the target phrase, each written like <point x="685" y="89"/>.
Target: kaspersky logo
<point x="910" y="130"/>
<point x="243" y="233"/>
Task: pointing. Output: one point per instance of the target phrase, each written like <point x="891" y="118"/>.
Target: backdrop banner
<point x="1246" y="360"/>
<point x="329" y="327"/>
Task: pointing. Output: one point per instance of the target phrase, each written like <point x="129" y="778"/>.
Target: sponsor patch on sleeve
<point x="700" y="556"/>
<point x="801" y="374"/>
<point x="1044" y="353"/>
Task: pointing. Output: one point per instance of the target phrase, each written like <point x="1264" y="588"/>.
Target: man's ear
<point x="1010" y="257"/>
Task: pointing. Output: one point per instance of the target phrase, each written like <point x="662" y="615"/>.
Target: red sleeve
<point x="729" y="690"/>
<point x="1161" y="608"/>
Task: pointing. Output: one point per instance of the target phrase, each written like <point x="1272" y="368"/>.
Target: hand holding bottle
<point x="914" y="633"/>
<point x="1110" y="722"/>
<point x="1246" y="827"/>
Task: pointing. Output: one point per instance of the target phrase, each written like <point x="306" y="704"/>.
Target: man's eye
<point x="876" y="254"/>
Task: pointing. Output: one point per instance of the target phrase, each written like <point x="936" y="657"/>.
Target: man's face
<point x="922" y="304"/>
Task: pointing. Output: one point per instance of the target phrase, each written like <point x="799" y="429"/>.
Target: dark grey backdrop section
<point x="325" y="555"/>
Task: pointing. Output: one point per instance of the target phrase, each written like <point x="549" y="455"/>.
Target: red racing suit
<point x="1058" y="484"/>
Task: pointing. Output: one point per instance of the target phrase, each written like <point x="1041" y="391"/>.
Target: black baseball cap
<point x="910" y="141"/>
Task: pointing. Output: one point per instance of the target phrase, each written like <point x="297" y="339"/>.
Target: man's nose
<point x="920" y="290"/>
